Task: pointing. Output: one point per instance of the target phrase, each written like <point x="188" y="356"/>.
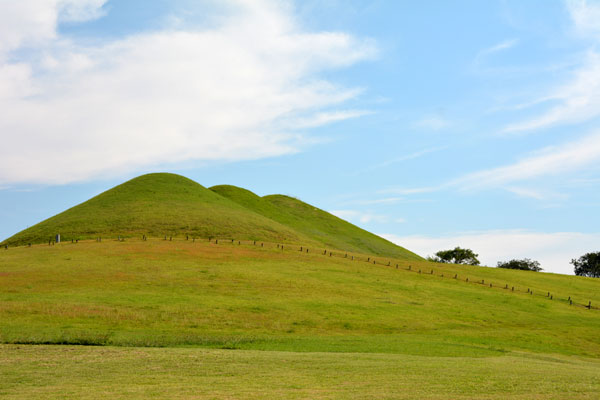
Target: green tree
<point x="525" y="264"/>
<point x="587" y="265"/>
<point x="455" y="256"/>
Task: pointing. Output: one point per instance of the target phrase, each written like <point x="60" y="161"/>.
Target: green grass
<point x="59" y="372"/>
<point x="314" y="223"/>
<point x="197" y="319"/>
<point x="162" y="293"/>
<point x="168" y="204"/>
<point x="218" y="321"/>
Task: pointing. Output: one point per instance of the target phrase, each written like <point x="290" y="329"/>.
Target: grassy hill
<point x="315" y="322"/>
<point x="156" y="205"/>
<point x="314" y="223"/>
<point x="198" y="319"/>
<point x="167" y="204"/>
<point x="303" y="325"/>
<point x="176" y="293"/>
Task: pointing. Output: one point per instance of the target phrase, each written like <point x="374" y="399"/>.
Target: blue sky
<point x="434" y="124"/>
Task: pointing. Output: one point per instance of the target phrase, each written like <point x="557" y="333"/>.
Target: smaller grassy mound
<point x="314" y="223"/>
<point x="156" y="205"/>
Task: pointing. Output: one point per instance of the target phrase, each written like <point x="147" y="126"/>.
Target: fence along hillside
<point x="425" y="268"/>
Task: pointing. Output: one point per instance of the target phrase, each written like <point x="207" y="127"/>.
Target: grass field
<point x="205" y="320"/>
<point x="162" y="293"/>
<point x="61" y="372"/>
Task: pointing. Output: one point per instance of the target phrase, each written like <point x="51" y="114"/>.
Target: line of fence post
<point x="302" y="248"/>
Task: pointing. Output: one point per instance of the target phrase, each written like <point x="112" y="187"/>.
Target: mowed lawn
<point x="66" y="372"/>
<point x="187" y="319"/>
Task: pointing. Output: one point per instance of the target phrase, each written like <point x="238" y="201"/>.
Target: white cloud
<point x="385" y="200"/>
<point x="405" y="157"/>
<point x="363" y="217"/>
<point x="585" y="16"/>
<point x="578" y="100"/>
<point x="554" y="251"/>
<point x="33" y="22"/>
<point x="74" y="111"/>
<point x="322" y="118"/>
<point x="505" y="45"/>
<point x="410" y="191"/>
<point x="537" y="194"/>
<point x="432" y="122"/>
<point x="550" y="161"/>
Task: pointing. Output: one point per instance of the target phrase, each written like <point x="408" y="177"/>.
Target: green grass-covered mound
<point x="314" y="223"/>
<point x="167" y="204"/>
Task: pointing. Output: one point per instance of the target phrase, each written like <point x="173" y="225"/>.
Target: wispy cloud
<point x="480" y="58"/>
<point x="504" y="45"/>
<point x="237" y="90"/>
<point x="553" y="250"/>
<point x="386" y="200"/>
<point x="578" y="99"/>
<point x="549" y="161"/>
<point x="323" y="118"/>
<point x="563" y="159"/>
<point x="432" y="123"/>
<point x="585" y="16"/>
<point x="411" y="191"/>
<point x="363" y="217"/>
<point x="403" y="158"/>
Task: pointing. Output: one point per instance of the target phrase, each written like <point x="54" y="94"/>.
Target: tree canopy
<point x="525" y="264"/>
<point x="456" y="256"/>
<point x="587" y="265"/>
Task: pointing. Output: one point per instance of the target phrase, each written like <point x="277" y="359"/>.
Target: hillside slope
<point x="156" y="205"/>
<point x="314" y="223"/>
<point x="163" y="293"/>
